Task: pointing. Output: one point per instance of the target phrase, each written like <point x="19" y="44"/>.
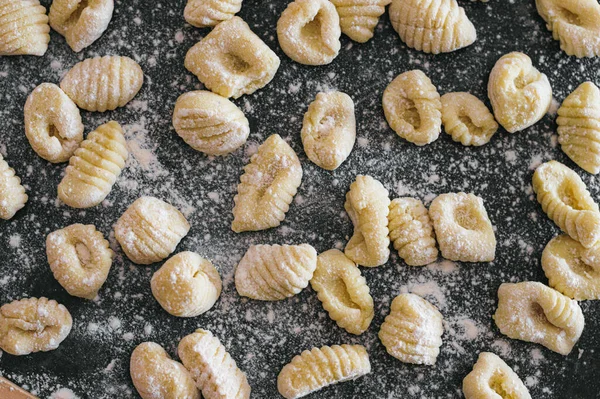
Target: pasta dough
<point x="309" y="32"/>
<point x="491" y="378"/>
<point x="358" y="18"/>
<point x="12" y="193"/>
<point x="343" y="291"/>
<point x="275" y="272"/>
<point x="208" y="13"/>
<point x="412" y="108"/>
<point x="320" y="367"/>
<point x="467" y="119"/>
<point x="532" y="312"/>
<point x="231" y="60"/>
<point x="24" y="27"/>
<point x="329" y="129"/>
<point x="210" y="123"/>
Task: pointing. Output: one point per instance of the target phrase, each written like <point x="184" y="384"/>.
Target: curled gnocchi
<point x="12" y="193"/>
<point x="358" y="18"/>
<point x="208" y="13"/>
<point x="492" y="378"/>
<point x="467" y="119"/>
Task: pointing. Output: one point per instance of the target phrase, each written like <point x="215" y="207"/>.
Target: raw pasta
<point x="467" y="119"/>
<point x="24" y="27"/>
<point x="33" y="325"/>
<point x="231" y="60"/>
<point x="358" y="18"/>
<point x="367" y="204"/>
<point x="215" y="372"/>
<point x="463" y="228"/>
<point x="103" y="83"/>
<point x="150" y="230"/>
<point x="12" y="193"/>
<point x="491" y="378"/>
<point x="566" y="200"/>
<point x="81" y="22"/>
<point x="532" y="312"/>
<point x="432" y="26"/>
<point x="520" y="94"/>
<point x="411" y="231"/>
<point x="329" y="129"/>
<point x="187" y="285"/>
<point x="309" y="32"/>
<point x="412" y="108"/>
<point x="52" y="123"/>
<point x="267" y="187"/>
<point x="156" y="376"/>
<point x="343" y="291"/>
<point x="413" y="330"/>
<point x="320" y="367"/>
<point x="275" y="272"/>
<point x="208" y="13"/>
<point x="80" y="259"/>
<point x="94" y="167"/>
<point x="579" y="127"/>
<point x="210" y="123"/>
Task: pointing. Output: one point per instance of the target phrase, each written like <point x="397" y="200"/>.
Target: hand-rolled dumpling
<point x="24" y="28"/>
<point x="12" y="193"/>
<point x="358" y="18"/>
<point x="208" y="13"/>
<point x="492" y="378"/>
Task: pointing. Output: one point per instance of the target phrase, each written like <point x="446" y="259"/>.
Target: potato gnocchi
<point x="358" y="18"/>
<point x="12" y="193"/>
<point x="467" y="119"/>
<point x="24" y="27"/>
<point x="492" y="378"/>
<point x="209" y="13"/>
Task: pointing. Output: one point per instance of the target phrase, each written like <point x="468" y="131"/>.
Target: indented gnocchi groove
<point x="12" y="193"/>
<point x="24" y="27"/>
<point x="358" y="18"/>
<point x="208" y="13"/>
<point x="491" y="378"/>
<point x="467" y="119"/>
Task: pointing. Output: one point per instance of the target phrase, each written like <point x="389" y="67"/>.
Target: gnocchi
<point x="492" y="378"/>
<point x="358" y="18"/>
<point x="467" y="119"/>
<point x="24" y="27"/>
<point x="12" y="193"/>
<point x="209" y="13"/>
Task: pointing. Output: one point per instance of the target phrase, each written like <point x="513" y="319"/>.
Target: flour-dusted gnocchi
<point x="80" y="259"/>
<point x="579" y="127"/>
<point x="156" y="376"/>
<point x="103" y="83"/>
<point x="12" y="193"/>
<point x="566" y="200"/>
<point x="343" y="291"/>
<point x="520" y="94"/>
<point x="215" y="371"/>
<point x="94" y="167"/>
<point x="329" y="129"/>
<point x="467" y="119"/>
<point x="432" y="26"/>
<point x="275" y="272"/>
<point x="52" y="123"/>
<point x="210" y="123"/>
<point x="81" y="22"/>
<point x="320" y="367"/>
<point x="33" y="325"/>
<point x="367" y="204"/>
<point x="150" y="230"/>
<point x="309" y="32"/>
<point x="24" y="28"/>
<point x="492" y="378"/>
<point x="411" y="231"/>
<point x="231" y="60"/>
<point x="208" y="13"/>
<point x="413" y="330"/>
<point x="187" y="285"/>
<point x="358" y="18"/>
<point x="267" y="187"/>
<point x="413" y="108"/>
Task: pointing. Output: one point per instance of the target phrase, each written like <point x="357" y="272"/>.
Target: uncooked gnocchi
<point x="208" y="13"/>
<point x="12" y="193"/>
<point x="467" y="119"/>
<point x="492" y="378"/>
<point x="358" y="18"/>
<point x="24" y="27"/>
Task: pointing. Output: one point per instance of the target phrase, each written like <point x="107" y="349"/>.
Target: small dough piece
<point x="24" y="28"/>
<point x="94" y="167"/>
<point x="329" y="129"/>
<point x="52" y="123"/>
<point x="463" y="228"/>
<point x="367" y="204"/>
<point x="320" y="367"/>
<point x="467" y="119"/>
<point x="81" y="22"/>
<point x="156" y="376"/>
<point x="343" y="291"/>
<point x="275" y="272"/>
<point x="215" y="372"/>
<point x="187" y="285"/>
<point x="358" y="18"/>
<point x="150" y="230"/>
<point x="231" y="60"/>
<point x="267" y="187"/>
<point x="566" y="200"/>
<point x="12" y="193"/>
<point x="520" y="94"/>
<point x="579" y="127"/>
<point x="103" y="83"/>
<point x="411" y="231"/>
<point x="413" y="108"/>
<point x="432" y="26"/>
<point x="80" y="259"/>
<point x="208" y="13"/>
<point x="33" y="325"/>
<point x="532" y="312"/>
<point x="491" y="378"/>
<point x="210" y="123"/>
<point x="413" y="330"/>
<point x="309" y="32"/>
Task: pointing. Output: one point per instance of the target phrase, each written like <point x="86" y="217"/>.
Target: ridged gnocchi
<point x="208" y="13"/>
<point x="12" y="193"/>
<point x="492" y="378"/>
<point x="467" y="119"/>
<point x="358" y="18"/>
<point x="24" y="27"/>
